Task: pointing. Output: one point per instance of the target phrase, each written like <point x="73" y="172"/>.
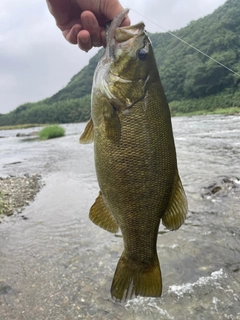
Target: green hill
<point x="193" y="83"/>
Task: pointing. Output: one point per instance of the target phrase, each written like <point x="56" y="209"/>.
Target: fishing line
<point x="188" y="44"/>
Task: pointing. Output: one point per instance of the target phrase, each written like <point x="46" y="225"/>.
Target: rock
<point x="4" y="288"/>
<point x="11" y="163"/>
<point x="31" y="134"/>
<point x="21" y="135"/>
<point x="18" y="192"/>
<point x="221" y="188"/>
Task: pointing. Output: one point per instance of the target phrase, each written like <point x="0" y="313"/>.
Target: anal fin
<point x="177" y="208"/>
<point x="88" y="133"/>
<point x="101" y="216"/>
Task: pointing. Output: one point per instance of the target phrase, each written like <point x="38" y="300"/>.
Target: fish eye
<point x="142" y="54"/>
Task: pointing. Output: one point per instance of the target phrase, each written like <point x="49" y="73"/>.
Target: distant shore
<point x="220" y="111"/>
<point x="22" y="126"/>
<point x="224" y="112"/>
<point x="16" y="192"/>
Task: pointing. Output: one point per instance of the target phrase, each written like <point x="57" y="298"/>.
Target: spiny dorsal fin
<point x="101" y="216"/>
<point x="88" y="133"/>
<point x="177" y="208"/>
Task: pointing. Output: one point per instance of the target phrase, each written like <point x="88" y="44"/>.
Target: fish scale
<point x="135" y="158"/>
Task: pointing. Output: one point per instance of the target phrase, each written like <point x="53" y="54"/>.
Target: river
<point x="56" y="264"/>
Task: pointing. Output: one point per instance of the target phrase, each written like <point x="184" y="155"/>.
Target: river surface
<point x="56" y="264"/>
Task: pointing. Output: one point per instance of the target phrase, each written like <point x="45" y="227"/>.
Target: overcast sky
<point x="36" y="61"/>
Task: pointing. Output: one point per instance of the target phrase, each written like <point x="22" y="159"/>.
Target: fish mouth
<point x="126" y="33"/>
<point x="117" y="34"/>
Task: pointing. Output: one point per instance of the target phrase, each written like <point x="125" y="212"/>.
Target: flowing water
<point x="56" y="264"/>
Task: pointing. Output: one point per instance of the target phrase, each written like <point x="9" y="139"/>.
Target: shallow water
<point x="58" y="265"/>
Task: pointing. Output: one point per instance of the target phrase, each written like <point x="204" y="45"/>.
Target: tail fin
<point x="132" y="279"/>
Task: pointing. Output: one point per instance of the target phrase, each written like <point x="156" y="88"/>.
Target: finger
<point x="126" y="22"/>
<point x="71" y="34"/>
<point x="84" y="40"/>
<point x="90" y="23"/>
<point x="112" y="8"/>
<point x="61" y="10"/>
<point x="103" y="37"/>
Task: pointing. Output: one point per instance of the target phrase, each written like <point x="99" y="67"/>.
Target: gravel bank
<point x="18" y="192"/>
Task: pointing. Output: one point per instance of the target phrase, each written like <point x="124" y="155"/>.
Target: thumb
<point x="112" y="8"/>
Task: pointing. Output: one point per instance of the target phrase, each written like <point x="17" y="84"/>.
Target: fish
<point x="135" y="158"/>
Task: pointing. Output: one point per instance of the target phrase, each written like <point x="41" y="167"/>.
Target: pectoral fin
<point x="88" y="133"/>
<point x="101" y="216"/>
<point x="177" y="208"/>
<point x="112" y="123"/>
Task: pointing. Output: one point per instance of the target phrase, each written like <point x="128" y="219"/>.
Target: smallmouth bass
<point x="135" y="158"/>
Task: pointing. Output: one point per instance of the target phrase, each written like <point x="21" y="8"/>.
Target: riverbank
<point x="18" y="192"/>
<point x="21" y="126"/>
<point x="219" y="111"/>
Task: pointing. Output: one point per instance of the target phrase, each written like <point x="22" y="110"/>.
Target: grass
<point x="228" y="111"/>
<point x="222" y="111"/>
<point x="51" y="132"/>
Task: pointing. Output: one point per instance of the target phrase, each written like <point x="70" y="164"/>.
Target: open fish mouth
<point x="119" y="34"/>
<point x="126" y="33"/>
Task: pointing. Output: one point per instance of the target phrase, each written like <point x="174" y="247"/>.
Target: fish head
<point x="130" y="53"/>
<point x="127" y="65"/>
<point x="131" y="57"/>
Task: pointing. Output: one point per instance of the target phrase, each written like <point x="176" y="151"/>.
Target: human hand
<point x="82" y="21"/>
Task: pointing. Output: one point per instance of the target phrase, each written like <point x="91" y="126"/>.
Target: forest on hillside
<point x="193" y="83"/>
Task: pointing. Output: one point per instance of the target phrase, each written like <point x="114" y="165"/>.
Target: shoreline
<point x="17" y="192"/>
<point x="220" y="112"/>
